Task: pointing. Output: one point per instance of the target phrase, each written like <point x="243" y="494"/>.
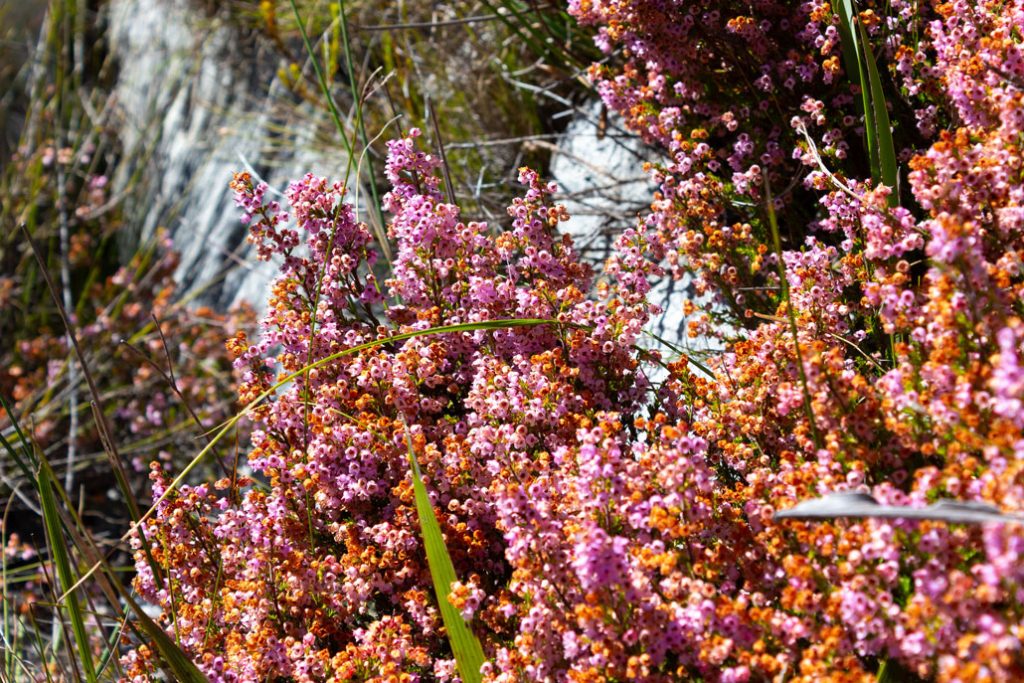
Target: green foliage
<point x="469" y="655"/>
<point x="60" y="552"/>
<point x="863" y="69"/>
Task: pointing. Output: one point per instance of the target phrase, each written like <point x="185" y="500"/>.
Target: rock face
<point x="197" y="100"/>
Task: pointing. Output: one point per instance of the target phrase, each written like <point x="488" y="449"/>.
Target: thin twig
<point x="65" y="286"/>
<point x="448" y="22"/>
<point x="449" y="188"/>
<point x="173" y="383"/>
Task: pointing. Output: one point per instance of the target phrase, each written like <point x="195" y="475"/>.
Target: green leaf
<point x="332" y="107"/>
<point x="469" y="655"/>
<point x="862" y="67"/>
<point x="175" y="660"/>
<point x="883" y="128"/>
<point x="62" y="559"/>
<point x="23" y="459"/>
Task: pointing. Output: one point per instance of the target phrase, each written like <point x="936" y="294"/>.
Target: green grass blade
<point x="357" y="101"/>
<point x="681" y="352"/>
<point x="322" y="80"/>
<point x="521" y="19"/>
<point x="109" y="445"/>
<point x="862" y="67"/>
<point x="8" y="621"/>
<point x="889" y="672"/>
<point x="176" y="660"/>
<point x="21" y="462"/>
<point x="62" y="560"/>
<point x="469" y="655"/>
<point x="512" y="17"/>
<point x="853" y="56"/>
<point x="886" y="150"/>
<point x="174" y="657"/>
<point x="113" y="646"/>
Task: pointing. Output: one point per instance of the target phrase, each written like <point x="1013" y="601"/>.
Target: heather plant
<point x="158" y="359"/>
<point x="332" y="448"/>
<point x="875" y="361"/>
<point x="603" y="526"/>
<point x="844" y="182"/>
<point x="742" y="100"/>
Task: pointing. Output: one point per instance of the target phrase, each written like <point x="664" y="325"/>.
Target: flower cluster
<point x="742" y="99"/>
<point x="605" y="526"/>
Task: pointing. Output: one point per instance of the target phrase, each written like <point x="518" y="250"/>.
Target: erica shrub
<point x="605" y="526"/>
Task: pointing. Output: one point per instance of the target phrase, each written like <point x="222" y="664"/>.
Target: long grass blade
<point x="62" y="561"/>
<point x="449" y="187"/>
<point x="23" y="459"/>
<point x="469" y="655"/>
<point x="862" y="67"/>
<point x="110" y="447"/>
<point x="322" y="80"/>
<point x="854" y="59"/>
<point x="357" y="101"/>
<point x="681" y="352"/>
<point x="177" y="661"/>
<point x="883" y="127"/>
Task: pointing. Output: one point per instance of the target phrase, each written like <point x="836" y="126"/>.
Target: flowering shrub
<point x="605" y="527"/>
<point x="891" y="376"/>
<point x="726" y="90"/>
<point x="321" y="573"/>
